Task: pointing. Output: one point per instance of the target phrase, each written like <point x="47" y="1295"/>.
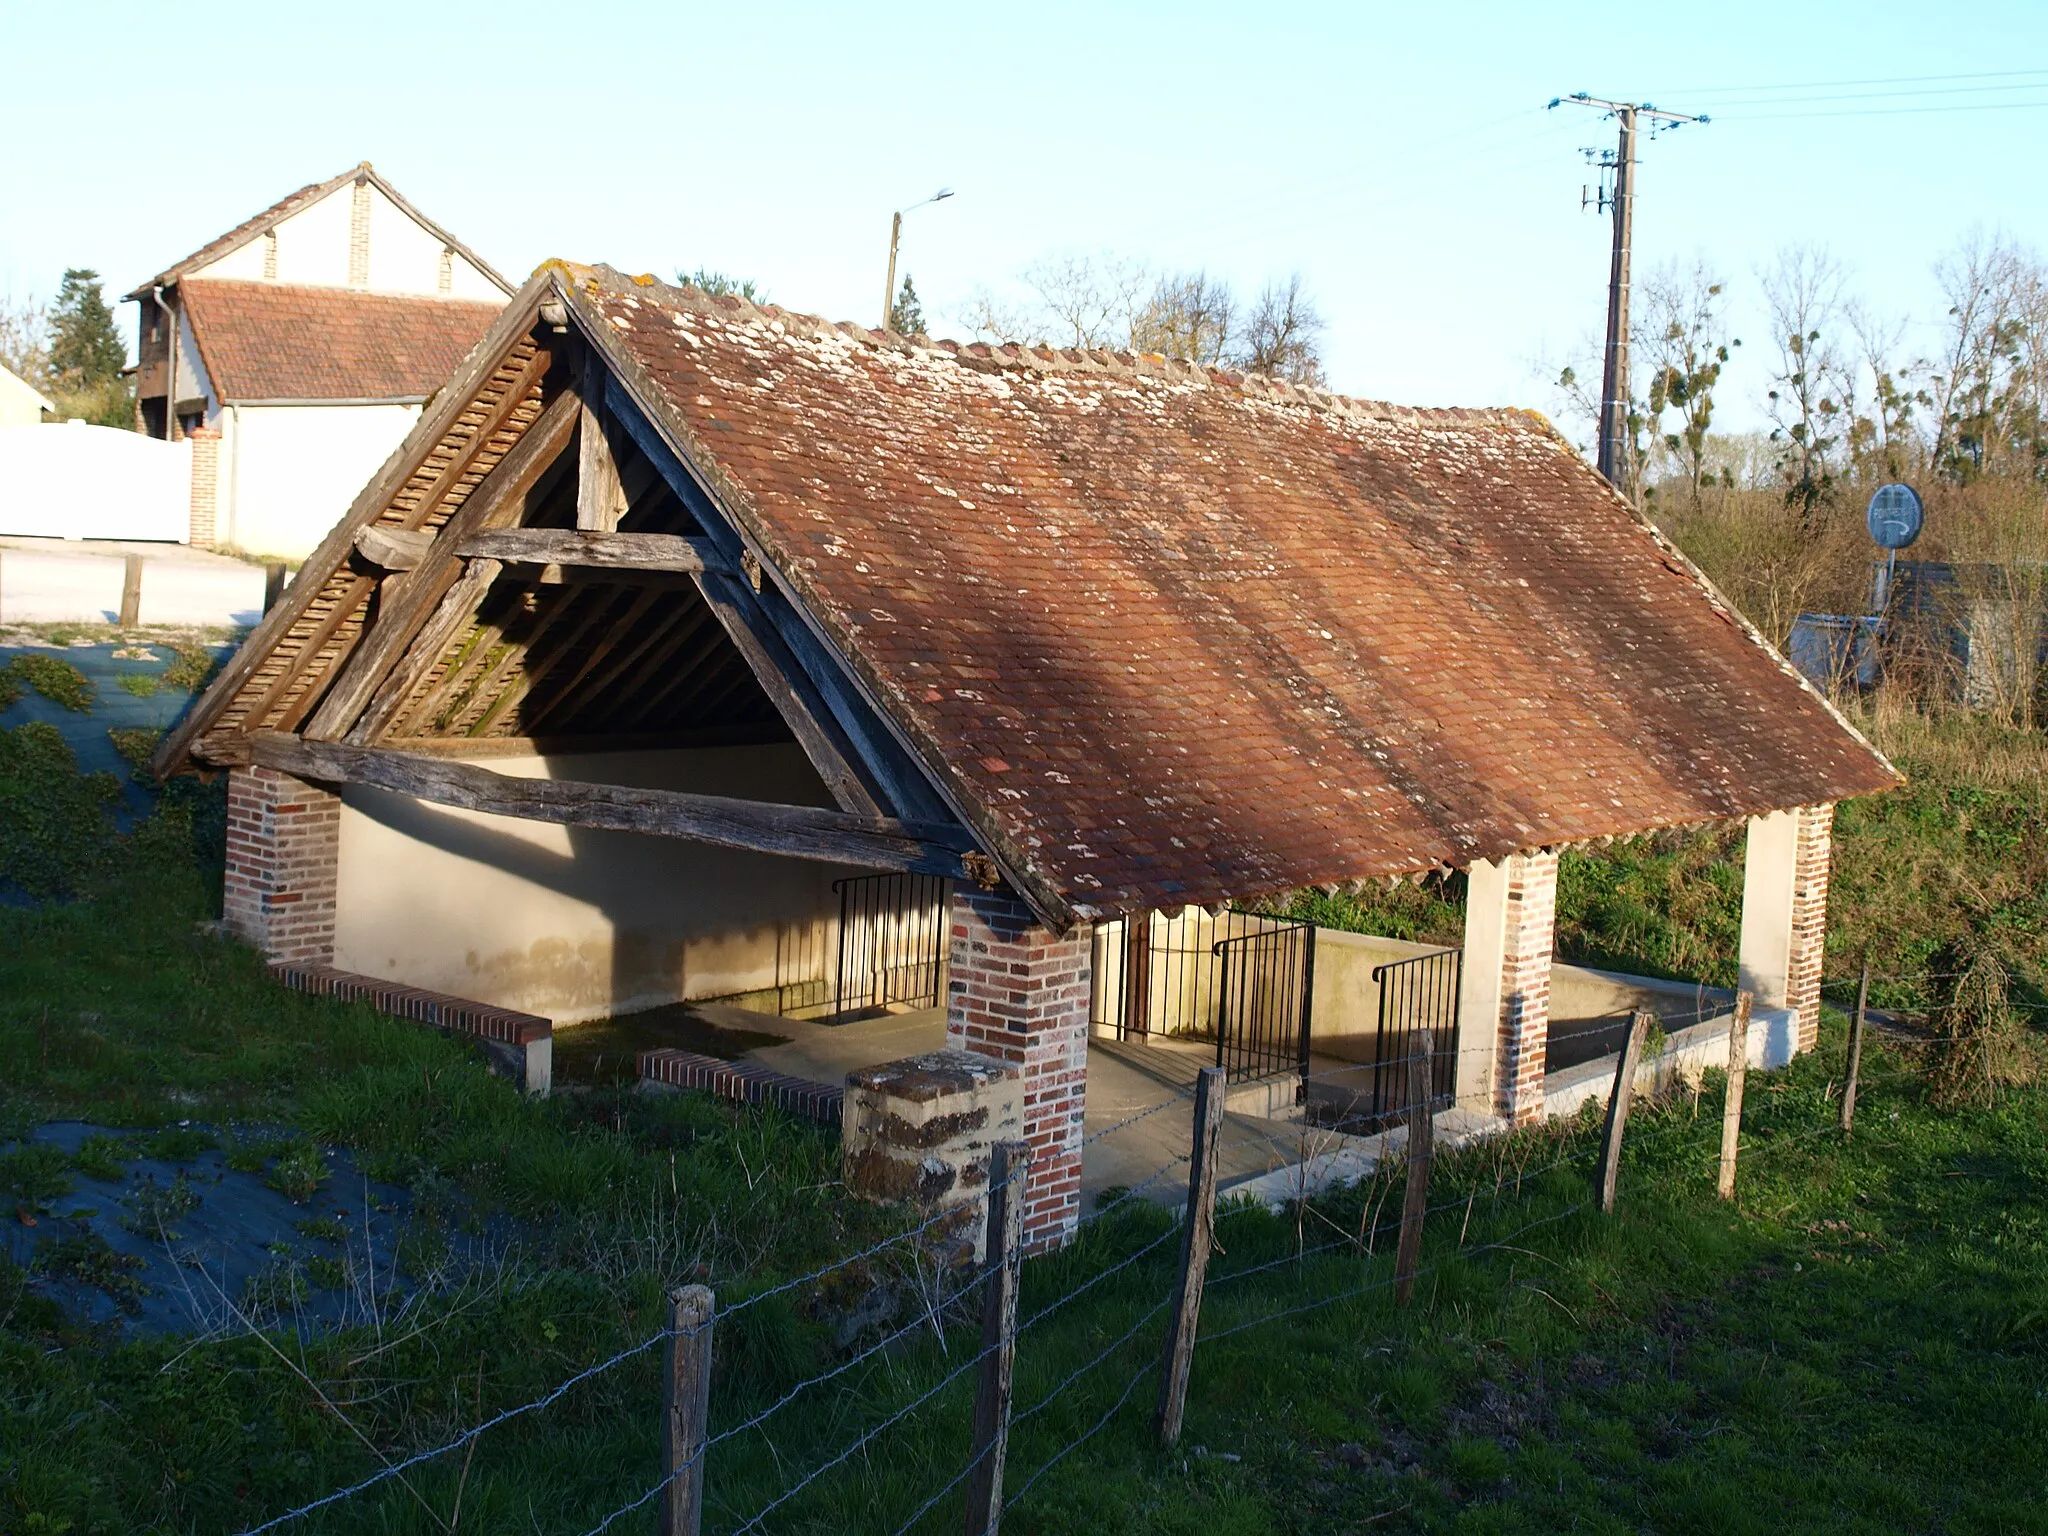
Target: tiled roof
<point x="1172" y="636"/>
<point x="280" y="341"/>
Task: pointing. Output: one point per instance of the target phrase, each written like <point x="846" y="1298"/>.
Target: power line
<point x="1806" y="85"/>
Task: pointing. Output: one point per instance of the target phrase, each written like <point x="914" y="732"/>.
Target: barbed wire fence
<point x="1346" y="1266"/>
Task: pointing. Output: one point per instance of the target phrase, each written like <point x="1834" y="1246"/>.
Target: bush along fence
<point x="981" y="1486"/>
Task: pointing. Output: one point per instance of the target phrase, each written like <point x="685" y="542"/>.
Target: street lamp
<point x="895" y="234"/>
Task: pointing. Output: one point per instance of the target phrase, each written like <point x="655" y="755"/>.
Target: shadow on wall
<point x="577" y="923"/>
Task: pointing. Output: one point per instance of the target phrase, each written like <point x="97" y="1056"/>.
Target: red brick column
<point x="1019" y="994"/>
<point x="1529" y="939"/>
<point x="1810" y="860"/>
<point x="284" y="838"/>
<point x="203" y="514"/>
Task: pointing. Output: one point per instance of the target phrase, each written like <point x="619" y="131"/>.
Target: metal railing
<point x="892" y="942"/>
<point x="1265" y="994"/>
<point x="1421" y="992"/>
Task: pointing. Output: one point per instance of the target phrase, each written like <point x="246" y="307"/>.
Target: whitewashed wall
<point x="76" y="481"/>
<point x="288" y="472"/>
<point x="577" y="924"/>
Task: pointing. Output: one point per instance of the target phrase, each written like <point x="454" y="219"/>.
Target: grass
<point x="1860" y="1343"/>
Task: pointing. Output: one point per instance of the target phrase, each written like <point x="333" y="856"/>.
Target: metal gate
<point x="1242" y="979"/>
<point x="1415" y="994"/>
<point x="892" y="942"/>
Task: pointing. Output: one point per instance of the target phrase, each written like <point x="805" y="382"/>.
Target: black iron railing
<point x="1418" y="993"/>
<point x="892" y="942"/>
<point x="1265" y="993"/>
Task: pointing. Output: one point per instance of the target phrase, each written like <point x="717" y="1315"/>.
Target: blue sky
<point x="1398" y="156"/>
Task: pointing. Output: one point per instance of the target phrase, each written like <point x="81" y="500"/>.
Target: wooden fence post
<point x="1421" y="1153"/>
<point x="1731" y="1111"/>
<point x="1009" y="1165"/>
<point x="131" y="591"/>
<point x="1855" y="1049"/>
<point x="686" y="1409"/>
<point x="1618" y="1104"/>
<point x="273" y="584"/>
<point x="1196" y="1239"/>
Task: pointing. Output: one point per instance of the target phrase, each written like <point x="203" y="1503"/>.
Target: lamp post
<point x="895" y="235"/>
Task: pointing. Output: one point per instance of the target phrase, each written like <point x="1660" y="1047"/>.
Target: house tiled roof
<point x="293" y="203"/>
<point x="281" y="341"/>
<point x="1169" y="635"/>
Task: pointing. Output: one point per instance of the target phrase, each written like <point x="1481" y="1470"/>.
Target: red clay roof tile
<point x="281" y="341"/>
<point x="1171" y="636"/>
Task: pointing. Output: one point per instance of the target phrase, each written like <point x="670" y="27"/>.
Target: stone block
<point x="918" y="1132"/>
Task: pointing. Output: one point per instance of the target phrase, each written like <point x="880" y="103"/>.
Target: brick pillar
<point x="204" y="513"/>
<point x="1504" y="994"/>
<point x="1020" y="994"/>
<point x="1809" y="919"/>
<point x="284" y="838"/>
<point x="359" y="234"/>
<point x="1785" y="915"/>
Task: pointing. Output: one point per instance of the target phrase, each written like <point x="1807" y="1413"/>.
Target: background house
<point x="296" y="350"/>
<point x="21" y="403"/>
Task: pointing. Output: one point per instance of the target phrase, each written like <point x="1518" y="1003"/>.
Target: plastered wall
<point x="578" y="924"/>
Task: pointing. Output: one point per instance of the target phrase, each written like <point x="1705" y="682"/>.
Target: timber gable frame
<point x="375" y="622"/>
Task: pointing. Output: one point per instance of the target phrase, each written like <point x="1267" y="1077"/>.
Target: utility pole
<point x="1621" y="200"/>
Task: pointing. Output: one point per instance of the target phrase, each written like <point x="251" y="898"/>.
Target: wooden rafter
<point x="791" y="831"/>
<point x="600" y="497"/>
<point x="501" y="494"/>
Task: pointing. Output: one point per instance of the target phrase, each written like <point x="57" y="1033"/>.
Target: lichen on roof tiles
<point x="1273" y="638"/>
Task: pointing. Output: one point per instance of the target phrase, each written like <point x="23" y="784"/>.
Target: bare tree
<point x="1883" y="440"/>
<point x="1283" y="336"/>
<point x="1811" y="388"/>
<point x="1088" y="301"/>
<point x="1988" y="390"/>
<point x="25" y="339"/>
<point x="1685" y="346"/>
<point x="1190" y="316"/>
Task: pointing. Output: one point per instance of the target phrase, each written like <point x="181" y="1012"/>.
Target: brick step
<point x="519" y="1044"/>
<point x="746" y="1081"/>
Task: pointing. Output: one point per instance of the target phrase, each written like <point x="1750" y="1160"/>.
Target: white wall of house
<point x="313" y="248"/>
<point x="288" y="472"/>
<point x="578" y="924"/>
<point x="76" y="481"/>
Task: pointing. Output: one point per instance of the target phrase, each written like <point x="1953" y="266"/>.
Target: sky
<point x="1399" y="157"/>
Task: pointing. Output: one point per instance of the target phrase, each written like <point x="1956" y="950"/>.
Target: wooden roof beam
<point x="788" y="831"/>
<point x="605" y="550"/>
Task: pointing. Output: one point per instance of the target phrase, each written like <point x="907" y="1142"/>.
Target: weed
<point x="57" y="836"/>
<point x="322" y="1229"/>
<point x="297" y="1172"/>
<point x="102" y="1158"/>
<point x="87" y="1259"/>
<point x="12" y="689"/>
<point x="152" y="1210"/>
<point x="193" y="669"/>
<point x="143" y="685"/>
<point x="180" y="1144"/>
<point x="135" y="743"/>
<point x="56" y="680"/>
<point x="32" y="1176"/>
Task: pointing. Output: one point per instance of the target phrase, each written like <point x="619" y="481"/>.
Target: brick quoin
<point x="1523" y="1049"/>
<point x="1018" y="993"/>
<point x="1811" y="858"/>
<point x="283" y="843"/>
<point x="203" y="512"/>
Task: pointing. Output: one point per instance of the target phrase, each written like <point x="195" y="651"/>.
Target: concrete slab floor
<point x="1124" y="1080"/>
